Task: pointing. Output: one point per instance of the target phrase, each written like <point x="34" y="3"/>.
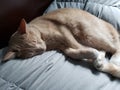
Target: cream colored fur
<point x="76" y="33"/>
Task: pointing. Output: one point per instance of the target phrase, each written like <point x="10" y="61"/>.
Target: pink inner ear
<point x="22" y="27"/>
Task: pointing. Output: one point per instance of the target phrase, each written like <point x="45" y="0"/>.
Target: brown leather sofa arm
<point x="12" y="11"/>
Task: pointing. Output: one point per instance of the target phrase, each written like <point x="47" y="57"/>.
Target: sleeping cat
<point x="76" y="33"/>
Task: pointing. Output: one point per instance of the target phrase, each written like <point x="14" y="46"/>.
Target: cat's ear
<point x="22" y="27"/>
<point x="8" y="55"/>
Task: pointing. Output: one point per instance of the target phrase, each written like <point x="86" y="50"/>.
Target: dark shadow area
<point x="12" y="11"/>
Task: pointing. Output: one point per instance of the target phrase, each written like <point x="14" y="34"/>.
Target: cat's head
<point x="25" y="43"/>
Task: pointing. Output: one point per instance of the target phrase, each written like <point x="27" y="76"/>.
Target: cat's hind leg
<point x="115" y="62"/>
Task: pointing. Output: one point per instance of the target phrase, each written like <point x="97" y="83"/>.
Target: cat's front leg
<point x="82" y="53"/>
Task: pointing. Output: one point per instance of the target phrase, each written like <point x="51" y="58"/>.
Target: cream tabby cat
<point x="76" y="33"/>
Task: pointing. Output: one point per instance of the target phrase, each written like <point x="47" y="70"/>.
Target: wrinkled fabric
<point x="52" y="70"/>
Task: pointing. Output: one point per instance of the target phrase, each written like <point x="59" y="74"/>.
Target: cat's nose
<point x="40" y="51"/>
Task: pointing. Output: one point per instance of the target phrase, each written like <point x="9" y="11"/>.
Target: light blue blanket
<point x="52" y="70"/>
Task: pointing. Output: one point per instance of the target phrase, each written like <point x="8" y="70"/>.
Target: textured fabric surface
<point x="52" y="70"/>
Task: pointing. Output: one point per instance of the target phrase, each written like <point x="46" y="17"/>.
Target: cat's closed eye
<point x="16" y="50"/>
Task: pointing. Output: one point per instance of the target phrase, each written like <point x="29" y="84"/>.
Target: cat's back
<point x="67" y="14"/>
<point x="75" y="19"/>
<point x="80" y="20"/>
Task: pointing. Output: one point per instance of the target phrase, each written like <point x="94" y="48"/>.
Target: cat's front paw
<point x="98" y="64"/>
<point x="100" y="61"/>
